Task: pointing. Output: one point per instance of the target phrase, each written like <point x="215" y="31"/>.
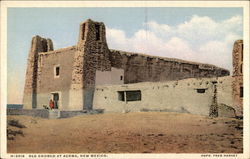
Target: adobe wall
<point x="115" y="76"/>
<point x="47" y="82"/>
<point x="172" y="96"/>
<point x="146" y="68"/>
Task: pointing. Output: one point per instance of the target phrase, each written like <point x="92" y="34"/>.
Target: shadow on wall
<point x="88" y="98"/>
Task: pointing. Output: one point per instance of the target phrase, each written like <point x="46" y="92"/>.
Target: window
<point x="56" y="71"/>
<point x="133" y="95"/>
<point x="121" y="96"/>
<point x="121" y="78"/>
<point x="130" y="95"/>
<point x="44" y="46"/>
<point x="241" y="92"/>
<point x="97" y="28"/>
<point x="201" y="90"/>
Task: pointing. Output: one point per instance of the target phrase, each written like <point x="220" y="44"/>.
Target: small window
<point x="201" y="90"/>
<point x="56" y="71"/>
<point x="121" y="78"/>
<point x="133" y="95"/>
<point x="121" y="96"/>
<point x="241" y="92"/>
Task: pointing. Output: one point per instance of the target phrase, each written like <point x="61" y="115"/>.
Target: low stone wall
<point x="67" y="114"/>
<point x="43" y="113"/>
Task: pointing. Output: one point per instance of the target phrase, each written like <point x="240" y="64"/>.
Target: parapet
<point x="40" y="44"/>
<point x="91" y="31"/>
<point x="202" y="66"/>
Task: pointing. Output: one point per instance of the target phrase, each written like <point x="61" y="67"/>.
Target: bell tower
<point x="91" y="33"/>
<point x="92" y="54"/>
<point x="38" y="44"/>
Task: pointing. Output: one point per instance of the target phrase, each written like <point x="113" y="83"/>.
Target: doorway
<point x="55" y="97"/>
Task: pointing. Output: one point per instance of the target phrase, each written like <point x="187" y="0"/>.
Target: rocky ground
<point x="144" y="132"/>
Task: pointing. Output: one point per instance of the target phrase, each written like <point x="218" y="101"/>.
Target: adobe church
<point x="73" y="76"/>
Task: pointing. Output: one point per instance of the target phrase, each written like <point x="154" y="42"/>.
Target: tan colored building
<point x="72" y="75"/>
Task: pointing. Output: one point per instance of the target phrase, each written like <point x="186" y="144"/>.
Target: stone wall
<point x="146" y="68"/>
<point x="237" y="83"/>
<point x="192" y="95"/>
<point x="42" y="113"/>
<point x="92" y="55"/>
<point x="67" y="114"/>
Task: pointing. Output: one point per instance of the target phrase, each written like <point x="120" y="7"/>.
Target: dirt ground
<point x="143" y="132"/>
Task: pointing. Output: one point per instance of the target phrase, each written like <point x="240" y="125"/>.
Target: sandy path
<point x="144" y="132"/>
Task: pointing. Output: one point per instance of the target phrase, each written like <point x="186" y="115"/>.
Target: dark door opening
<point x="56" y="100"/>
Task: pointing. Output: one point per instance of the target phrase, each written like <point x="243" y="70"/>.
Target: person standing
<point x="51" y="104"/>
